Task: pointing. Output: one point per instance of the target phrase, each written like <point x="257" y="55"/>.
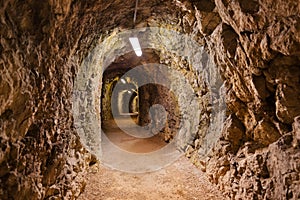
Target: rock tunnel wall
<point x="255" y="45"/>
<point x="41" y="155"/>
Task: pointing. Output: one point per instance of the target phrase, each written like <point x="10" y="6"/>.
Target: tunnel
<point x="174" y="99"/>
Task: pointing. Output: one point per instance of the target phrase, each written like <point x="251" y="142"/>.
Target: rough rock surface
<point x="256" y="46"/>
<point x="254" y="43"/>
<point x="41" y="156"/>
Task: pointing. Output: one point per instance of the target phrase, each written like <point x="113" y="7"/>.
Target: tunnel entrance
<point x="123" y="100"/>
<point x="138" y="104"/>
<point x="166" y="92"/>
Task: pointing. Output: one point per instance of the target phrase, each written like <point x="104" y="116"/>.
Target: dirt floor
<point x="179" y="180"/>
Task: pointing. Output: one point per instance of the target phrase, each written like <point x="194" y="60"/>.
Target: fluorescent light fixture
<point x="123" y="81"/>
<point x="134" y="41"/>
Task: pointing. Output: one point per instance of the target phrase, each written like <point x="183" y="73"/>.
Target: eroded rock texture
<point x="41" y="155"/>
<point x="255" y="45"/>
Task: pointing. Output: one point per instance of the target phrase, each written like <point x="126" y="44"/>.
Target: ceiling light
<point x="123" y="81"/>
<point x="134" y="41"/>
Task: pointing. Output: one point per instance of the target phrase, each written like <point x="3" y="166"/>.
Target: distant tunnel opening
<point x="139" y="103"/>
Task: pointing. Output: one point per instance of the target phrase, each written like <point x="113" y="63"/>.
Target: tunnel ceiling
<point x="128" y="61"/>
<point x="255" y="45"/>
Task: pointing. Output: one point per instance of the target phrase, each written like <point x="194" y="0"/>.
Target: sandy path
<point x="179" y="180"/>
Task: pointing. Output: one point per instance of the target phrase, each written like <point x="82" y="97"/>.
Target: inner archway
<point x="189" y="130"/>
<point x="173" y="70"/>
<point x="137" y="109"/>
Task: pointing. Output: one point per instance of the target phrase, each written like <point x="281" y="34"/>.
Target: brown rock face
<point x="255" y="45"/>
<point x="41" y="155"/>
